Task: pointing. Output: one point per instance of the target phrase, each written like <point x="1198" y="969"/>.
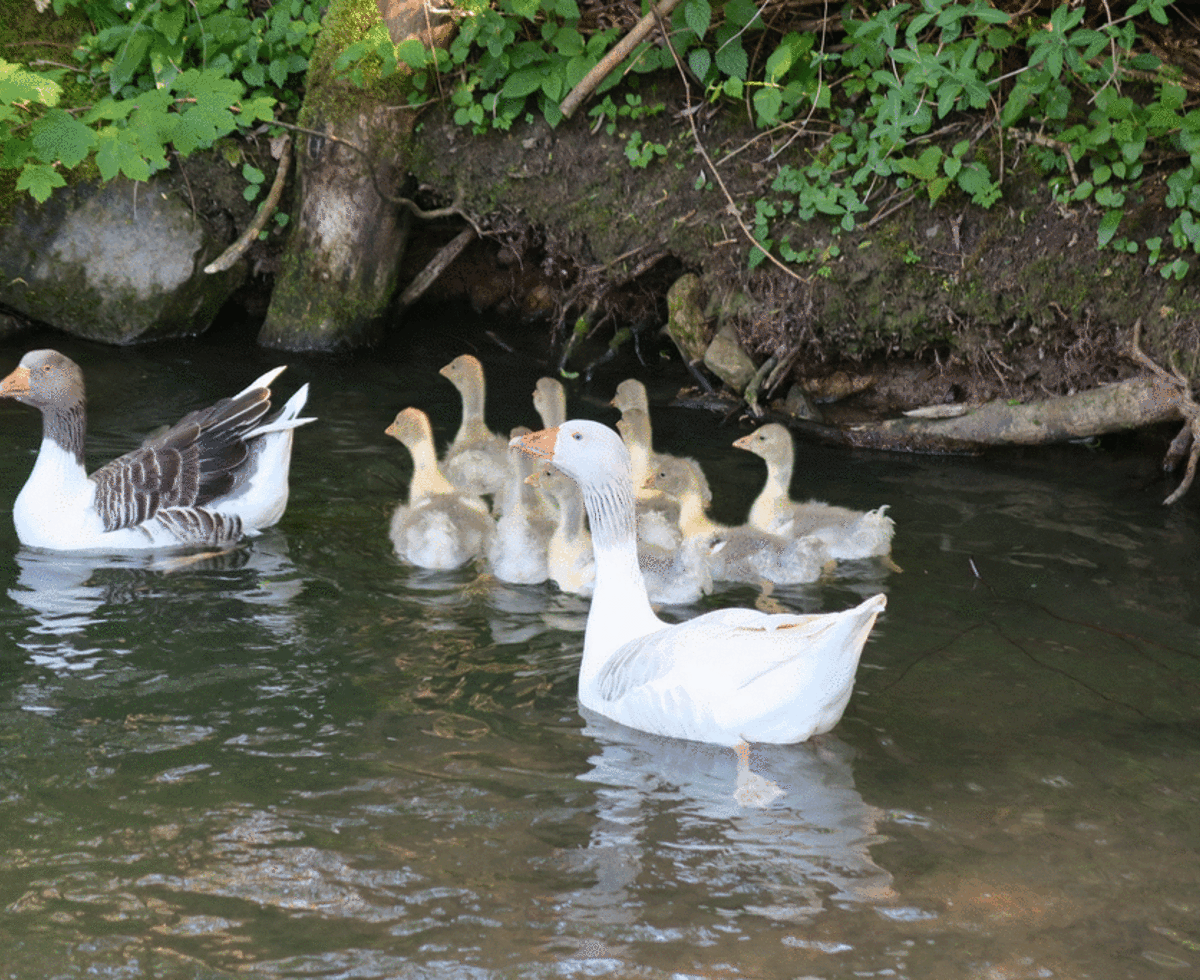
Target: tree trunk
<point x="339" y="268"/>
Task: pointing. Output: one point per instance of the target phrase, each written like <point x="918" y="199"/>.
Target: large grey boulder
<point x="119" y="262"/>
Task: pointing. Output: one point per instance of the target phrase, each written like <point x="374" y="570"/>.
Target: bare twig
<point x="614" y="57"/>
<point x="435" y="267"/>
<point x="452" y="210"/>
<point x="235" y="251"/>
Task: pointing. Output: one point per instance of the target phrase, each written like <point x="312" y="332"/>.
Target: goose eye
<point x="577" y="436"/>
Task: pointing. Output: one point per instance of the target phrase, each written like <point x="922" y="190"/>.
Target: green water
<point x="306" y="760"/>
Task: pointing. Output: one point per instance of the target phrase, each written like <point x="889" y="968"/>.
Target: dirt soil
<point x="920" y="305"/>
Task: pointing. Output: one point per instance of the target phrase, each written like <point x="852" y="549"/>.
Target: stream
<point x="305" y="759"/>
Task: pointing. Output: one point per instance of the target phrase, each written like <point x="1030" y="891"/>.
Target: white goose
<point x="672" y="576"/>
<point x="440" y="527"/>
<point x="848" y="534"/>
<point x="477" y="459"/>
<point x="722" y="676"/>
<point x="219" y="474"/>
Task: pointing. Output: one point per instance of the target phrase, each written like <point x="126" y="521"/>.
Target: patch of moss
<point x="329" y="96"/>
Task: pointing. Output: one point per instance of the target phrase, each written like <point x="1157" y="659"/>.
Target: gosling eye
<point x="577" y="436"/>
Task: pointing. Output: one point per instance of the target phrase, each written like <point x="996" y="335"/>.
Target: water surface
<point x="304" y="759"/>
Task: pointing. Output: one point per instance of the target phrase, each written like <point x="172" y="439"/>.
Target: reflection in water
<point x="785" y="862"/>
<point x="65" y="590"/>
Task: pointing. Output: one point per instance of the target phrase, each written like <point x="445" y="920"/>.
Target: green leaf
<point x="1018" y="100"/>
<point x="569" y="42"/>
<point x="732" y="60"/>
<point x="39" y="179"/>
<point x="413" y="53"/>
<point x="697" y="14"/>
<point x="1108" y="227"/>
<point x="18" y="84"/>
<point x="521" y="83"/>
<point x="128" y="61"/>
<point x="700" y="61"/>
<point x="767" y="103"/>
<point x="278" y="70"/>
<point x="59" y="136"/>
<point x="169" y="22"/>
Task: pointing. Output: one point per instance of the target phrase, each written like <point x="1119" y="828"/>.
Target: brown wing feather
<point x="189" y="465"/>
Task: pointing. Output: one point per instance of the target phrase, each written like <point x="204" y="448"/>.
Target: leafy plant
<point x="158" y="76"/>
<point x="886" y="86"/>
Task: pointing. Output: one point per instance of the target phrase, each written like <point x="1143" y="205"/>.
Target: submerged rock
<point x="120" y="263"/>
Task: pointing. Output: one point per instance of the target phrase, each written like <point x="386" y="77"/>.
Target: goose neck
<point x="66" y="426"/>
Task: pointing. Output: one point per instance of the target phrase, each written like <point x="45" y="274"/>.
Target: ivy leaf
<point x="60" y="136"/>
<point x="39" y="179"/>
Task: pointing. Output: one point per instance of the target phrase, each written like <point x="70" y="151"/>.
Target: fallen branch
<point x="235" y="251"/>
<point x="609" y="62"/>
<point x="1117" y="407"/>
<point x="435" y="267"/>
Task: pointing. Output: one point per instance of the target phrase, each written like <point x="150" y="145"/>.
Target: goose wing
<point x="192" y="463"/>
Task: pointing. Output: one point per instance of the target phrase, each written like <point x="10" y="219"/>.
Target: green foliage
<point x="887" y="88"/>
<point x="159" y="75"/>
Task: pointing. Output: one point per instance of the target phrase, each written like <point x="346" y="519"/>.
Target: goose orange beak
<point x="16" y="384"/>
<point x="538" y="444"/>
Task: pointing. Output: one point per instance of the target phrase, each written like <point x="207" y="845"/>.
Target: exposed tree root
<point x="1187" y="442"/>
<point x="1162" y="396"/>
<point x="1116" y="407"/>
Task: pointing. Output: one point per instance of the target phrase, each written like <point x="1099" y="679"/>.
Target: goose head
<point x="631" y="394"/>
<point x="45" y="378"/>
<point x="772" y="442"/>
<point x="589" y="453"/>
<point x="411" y="427"/>
<point x="465" y="372"/>
<point x="550" y="400"/>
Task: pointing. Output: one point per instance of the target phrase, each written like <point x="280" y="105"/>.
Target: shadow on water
<point x="302" y="758"/>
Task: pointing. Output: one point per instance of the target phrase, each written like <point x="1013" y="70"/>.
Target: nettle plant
<point x="157" y="76"/>
<point x="902" y="97"/>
